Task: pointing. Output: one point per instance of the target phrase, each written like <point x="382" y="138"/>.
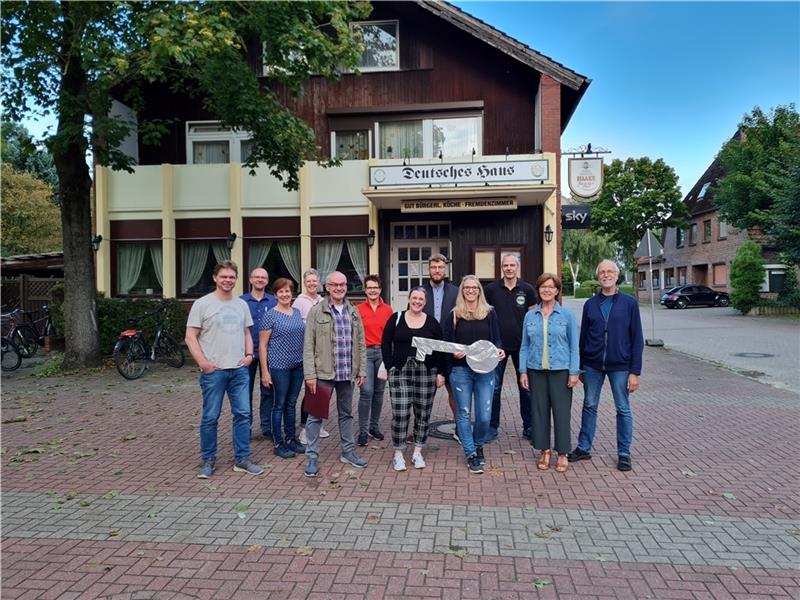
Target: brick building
<point x="702" y="252"/>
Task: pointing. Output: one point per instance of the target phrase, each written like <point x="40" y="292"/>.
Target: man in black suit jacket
<point x="441" y="300"/>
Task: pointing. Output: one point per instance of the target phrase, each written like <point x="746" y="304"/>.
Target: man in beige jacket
<point x="334" y="352"/>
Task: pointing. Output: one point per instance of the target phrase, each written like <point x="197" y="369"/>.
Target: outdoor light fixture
<point x="96" y="242"/>
<point x="231" y="240"/>
<point x="548" y="234"/>
<point x="371" y="238"/>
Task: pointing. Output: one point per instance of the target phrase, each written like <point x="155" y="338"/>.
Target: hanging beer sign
<point x="585" y="176"/>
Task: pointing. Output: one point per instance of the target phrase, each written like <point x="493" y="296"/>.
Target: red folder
<point x="319" y="403"/>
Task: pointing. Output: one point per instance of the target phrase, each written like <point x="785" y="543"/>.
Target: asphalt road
<point x="764" y="348"/>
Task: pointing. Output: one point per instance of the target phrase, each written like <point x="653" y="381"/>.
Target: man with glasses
<point x="259" y="301"/>
<point x="374" y="315"/>
<point x="335" y="353"/>
<point x="511" y="298"/>
<point x="611" y="345"/>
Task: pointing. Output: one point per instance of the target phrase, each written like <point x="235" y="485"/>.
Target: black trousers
<point x="551" y="397"/>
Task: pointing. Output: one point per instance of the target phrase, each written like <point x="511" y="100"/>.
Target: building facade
<point x="449" y="141"/>
<point x="702" y="252"/>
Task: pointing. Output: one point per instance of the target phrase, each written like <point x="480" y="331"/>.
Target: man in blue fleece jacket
<point x="611" y="345"/>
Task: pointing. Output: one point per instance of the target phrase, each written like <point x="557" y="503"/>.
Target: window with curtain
<point x="456" y="137"/>
<point x="139" y="268"/>
<point x="348" y="256"/>
<point x="198" y="259"/>
<point x="210" y="153"/>
<point x="351" y="145"/>
<point x="401" y="139"/>
<point x="281" y="258"/>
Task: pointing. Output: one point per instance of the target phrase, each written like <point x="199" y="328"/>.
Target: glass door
<point x="412" y="246"/>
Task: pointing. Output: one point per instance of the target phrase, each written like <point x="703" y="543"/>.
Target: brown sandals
<point x="562" y="463"/>
<point x="544" y="460"/>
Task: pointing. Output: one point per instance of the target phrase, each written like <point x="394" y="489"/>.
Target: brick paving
<point x="100" y="500"/>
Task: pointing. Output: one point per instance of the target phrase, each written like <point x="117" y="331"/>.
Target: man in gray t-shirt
<point x="218" y="338"/>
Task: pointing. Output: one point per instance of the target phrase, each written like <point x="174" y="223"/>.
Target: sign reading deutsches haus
<point x="512" y="171"/>
<point x="408" y="206"/>
<point x="585" y="176"/>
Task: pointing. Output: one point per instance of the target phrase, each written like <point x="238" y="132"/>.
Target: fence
<point x="27" y="292"/>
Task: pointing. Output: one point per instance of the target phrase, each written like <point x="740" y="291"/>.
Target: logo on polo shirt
<point x="520" y="298"/>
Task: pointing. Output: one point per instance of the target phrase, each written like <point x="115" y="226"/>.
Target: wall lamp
<point x="96" y="242"/>
<point x="371" y="238"/>
<point x="548" y="234"/>
<point x="231" y="240"/>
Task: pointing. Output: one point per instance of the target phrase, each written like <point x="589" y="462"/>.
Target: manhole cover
<point x="754" y="355"/>
<point x="443" y="430"/>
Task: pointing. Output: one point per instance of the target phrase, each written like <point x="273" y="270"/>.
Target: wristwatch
<point x="251" y="355"/>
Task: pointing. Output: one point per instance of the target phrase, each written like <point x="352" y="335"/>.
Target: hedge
<point x="113" y="315"/>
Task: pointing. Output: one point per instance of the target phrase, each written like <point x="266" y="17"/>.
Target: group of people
<point x="326" y="341"/>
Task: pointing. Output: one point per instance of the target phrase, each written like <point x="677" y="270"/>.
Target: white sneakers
<point x="303" y="439"/>
<point x="399" y="463"/>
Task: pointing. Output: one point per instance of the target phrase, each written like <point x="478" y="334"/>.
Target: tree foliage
<point x="638" y="194"/>
<point x="761" y="186"/>
<point x="71" y="59"/>
<point x="19" y="151"/>
<point x="747" y="275"/>
<point x="583" y="250"/>
<point x="31" y="223"/>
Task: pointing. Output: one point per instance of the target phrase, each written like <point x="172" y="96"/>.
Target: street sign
<point x="649" y="246"/>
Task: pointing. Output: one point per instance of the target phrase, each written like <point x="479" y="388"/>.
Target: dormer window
<point x="703" y="190"/>
<point x="381" y="45"/>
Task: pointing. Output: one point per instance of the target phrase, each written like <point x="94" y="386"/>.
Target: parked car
<point x="694" y="295"/>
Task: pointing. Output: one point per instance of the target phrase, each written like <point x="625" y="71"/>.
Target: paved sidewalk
<point x="100" y="500"/>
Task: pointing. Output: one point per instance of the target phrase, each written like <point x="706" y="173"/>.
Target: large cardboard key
<point x="481" y="355"/>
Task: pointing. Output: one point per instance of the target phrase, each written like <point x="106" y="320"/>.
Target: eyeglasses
<point x="337" y="285"/>
<point x="471" y="288"/>
<point x="547" y="287"/>
<point x="607" y="273"/>
<point x="373" y="289"/>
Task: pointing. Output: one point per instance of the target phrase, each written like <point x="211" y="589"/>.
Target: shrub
<point x="747" y="275"/>
<point x="113" y="315"/>
<point x="790" y="294"/>
<point x="587" y="289"/>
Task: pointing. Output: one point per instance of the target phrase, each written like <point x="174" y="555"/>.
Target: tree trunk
<point x="69" y="154"/>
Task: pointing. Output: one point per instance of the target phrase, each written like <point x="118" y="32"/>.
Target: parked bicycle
<point x="133" y="354"/>
<point x="24" y="330"/>
<point x="10" y="355"/>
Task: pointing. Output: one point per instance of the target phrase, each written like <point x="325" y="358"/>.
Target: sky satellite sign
<point x="576" y="216"/>
<point x="585" y="176"/>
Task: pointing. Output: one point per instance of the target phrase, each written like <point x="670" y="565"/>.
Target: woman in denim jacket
<point x="549" y="352"/>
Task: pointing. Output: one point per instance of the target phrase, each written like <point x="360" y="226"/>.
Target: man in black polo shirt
<point x="511" y="298"/>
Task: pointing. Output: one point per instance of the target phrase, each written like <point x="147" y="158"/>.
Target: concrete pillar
<point x="235" y="203"/>
<point x="102" y="227"/>
<point x="305" y="220"/>
<point x="168" y="243"/>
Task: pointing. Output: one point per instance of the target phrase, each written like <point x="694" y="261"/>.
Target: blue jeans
<point x="592" y="384"/>
<point x="370" y="399"/>
<point x="467" y="383"/>
<point x="213" y="386"/>
<point x="286" y="384"/>
<point x="265" y="406"/>
<point x="524" y="395"/>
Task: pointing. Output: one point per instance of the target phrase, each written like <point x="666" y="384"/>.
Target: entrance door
<point x="412" y="246"/>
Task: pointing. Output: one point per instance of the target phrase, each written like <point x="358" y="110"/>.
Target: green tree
<point x="582" y="251"/>
<point x="747" y="275"/>
<point x="638" y="194"/>
<point x="761" y="186"/>
<point x="70" y="58"/>
<point x="18" y="150"/>
<point x="31" y="223"/>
